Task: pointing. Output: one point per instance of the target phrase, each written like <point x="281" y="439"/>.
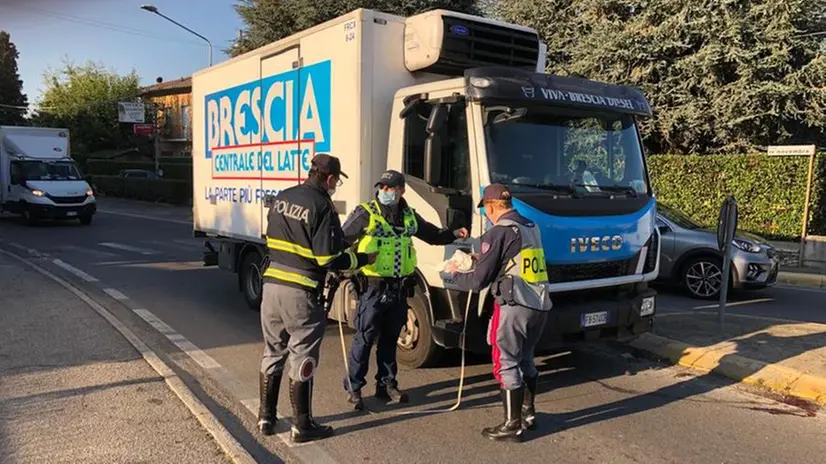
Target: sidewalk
<point x="785" y="357"/>
<point x="72" y="389"/>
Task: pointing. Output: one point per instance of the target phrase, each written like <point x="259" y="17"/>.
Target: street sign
<point x="791" y="150"/>
<point x="143" y="129"/>
<point x="726" y="229"/>
<point x="133" y="112"/>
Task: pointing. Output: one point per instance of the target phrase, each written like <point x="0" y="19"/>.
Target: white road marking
<point x="88" y="251"/>
<point x="737" y="303"/>
<point x="30" y="251"/>
<point x="115" y="294"/>
<point x="175" y="244"/>
<point x="120" y="246"/>
<point x="143" y="216"/>
<point x="203" y="359"/>
<point x="74" y="270"/>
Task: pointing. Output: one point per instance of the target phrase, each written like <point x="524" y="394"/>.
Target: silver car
<point x="689" y="256"/>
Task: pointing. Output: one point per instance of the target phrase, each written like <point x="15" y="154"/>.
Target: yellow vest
<point x="396" y="254"/>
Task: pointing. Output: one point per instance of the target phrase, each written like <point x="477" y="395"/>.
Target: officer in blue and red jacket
<point x="512" y="262"/>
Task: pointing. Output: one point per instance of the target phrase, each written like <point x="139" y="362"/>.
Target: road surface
<point x="596" y="405"/>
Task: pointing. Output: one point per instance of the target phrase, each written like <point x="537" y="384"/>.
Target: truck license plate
<point x="594" y="319"/>
<point x="71" y="213"/>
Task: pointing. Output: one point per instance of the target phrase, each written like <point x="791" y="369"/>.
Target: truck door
<point x="279" y="106"/>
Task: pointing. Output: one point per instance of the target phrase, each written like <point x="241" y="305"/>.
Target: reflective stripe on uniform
<point x="290" y="277"/>
<point x="281" y="245"/>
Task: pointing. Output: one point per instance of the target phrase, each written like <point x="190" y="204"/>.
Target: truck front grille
<point x="68" y="200"/>
<point x="589" y="271"/>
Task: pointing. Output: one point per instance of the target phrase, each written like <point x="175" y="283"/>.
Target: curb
<point x="229" y="445"/>
<point x="776" y="378"/>
<point x="800" y="279"/>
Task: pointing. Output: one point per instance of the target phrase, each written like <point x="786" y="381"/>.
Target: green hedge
<point x="176" y="192"/>
<point x="173" y="168"/>
<point x="770" y="190"/>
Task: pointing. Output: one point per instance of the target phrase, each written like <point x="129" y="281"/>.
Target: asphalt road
<point x="596" y="405"/>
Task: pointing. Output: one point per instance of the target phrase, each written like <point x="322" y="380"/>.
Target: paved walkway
<point x="800" y="346"/>
<point x="73" y="390"/>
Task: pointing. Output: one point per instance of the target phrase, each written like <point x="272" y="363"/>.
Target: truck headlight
<point x="37" y="192"/>
<point x="647" y="306"/>
<point x="90" y="192"/>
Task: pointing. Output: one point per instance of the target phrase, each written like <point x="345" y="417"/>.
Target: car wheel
<point x="702" y="277"/>
<point x="252" y="283"/>
<point x="416" y="347"/>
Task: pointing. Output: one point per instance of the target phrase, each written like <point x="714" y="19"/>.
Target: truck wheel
<point x="416" y="347"/>
<point x="85" y="220"/>
<point x="252" y="283"/>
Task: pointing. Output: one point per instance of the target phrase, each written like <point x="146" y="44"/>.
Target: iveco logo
<point x="606" y="243"/>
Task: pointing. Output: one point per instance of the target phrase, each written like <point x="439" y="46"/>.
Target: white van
<point x="39" y="179"/>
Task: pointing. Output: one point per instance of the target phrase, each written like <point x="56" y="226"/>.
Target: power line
<point x="102" y="25"/>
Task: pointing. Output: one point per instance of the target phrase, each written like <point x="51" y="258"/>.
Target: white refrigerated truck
<point x="39" y="179"/>
<point x="454" y="102"/>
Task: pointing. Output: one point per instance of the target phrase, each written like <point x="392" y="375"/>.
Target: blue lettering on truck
<point x="267" y="130"/>
<point x="271" y="127"/>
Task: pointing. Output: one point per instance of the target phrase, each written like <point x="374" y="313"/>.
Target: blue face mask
<point x="388" y="197"/>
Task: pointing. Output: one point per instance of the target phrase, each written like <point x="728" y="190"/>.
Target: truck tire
<point x="28" y="216"/>
<point x="249" y="275"/>
<point x="416" y="347"/>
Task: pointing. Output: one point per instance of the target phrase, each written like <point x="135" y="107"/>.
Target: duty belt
<point x="390" y="283"/>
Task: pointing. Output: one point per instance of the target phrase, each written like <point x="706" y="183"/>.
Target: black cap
<point x="391" y="178"/>
<point x="494" y="192"/>
<point x="327" y="164"/>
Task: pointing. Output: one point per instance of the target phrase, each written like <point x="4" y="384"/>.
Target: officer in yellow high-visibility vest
<point x="385" y="225"/>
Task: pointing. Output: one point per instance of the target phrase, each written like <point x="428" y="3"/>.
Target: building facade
<point x="171" y="103"/>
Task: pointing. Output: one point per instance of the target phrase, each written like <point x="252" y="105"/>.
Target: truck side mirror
<point x="432" y="159"/>
<point x="433" y="144"/>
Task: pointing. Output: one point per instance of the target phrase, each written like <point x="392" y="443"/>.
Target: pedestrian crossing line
<point x="73" y="270"/>
<point x="115" y="294"/>
<point x="120" y="246"/>
<point x="88" y="251"/>
<point x="203" y="359"/>
<point x="174" y="244"/>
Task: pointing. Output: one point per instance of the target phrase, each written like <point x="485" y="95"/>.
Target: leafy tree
<point x="84" y="99"/>
<point x="270" y="20"/>
<point x="722" y="76"/>
<point x="11" y="87"/>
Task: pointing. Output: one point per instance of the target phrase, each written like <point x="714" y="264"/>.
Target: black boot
<point x="305" y="428"/>
<point x="387" y="393"/>
<point x="529" y="405"/>
<point x="268" y="386"/>
<point x="511" y="428"/>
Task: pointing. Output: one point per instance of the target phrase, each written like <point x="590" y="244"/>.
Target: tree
<point x="270" y="20"/>
<point x="11" y="87"/>
<point x="726" y="76"/>
<point x="84" y="99"/>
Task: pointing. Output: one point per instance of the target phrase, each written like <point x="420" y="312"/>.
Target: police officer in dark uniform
<point x="304" y="238"/>
<point x="512" y="262"/>
<point x="385" y="225"/>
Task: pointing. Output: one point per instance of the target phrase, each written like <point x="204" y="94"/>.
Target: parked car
<point x="141" y="173"/>
<point x="689" y="256"/>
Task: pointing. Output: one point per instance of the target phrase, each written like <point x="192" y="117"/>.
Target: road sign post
<point x="726" y="229"/>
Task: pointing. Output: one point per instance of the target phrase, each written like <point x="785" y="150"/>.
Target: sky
<point x="118" y="34"/>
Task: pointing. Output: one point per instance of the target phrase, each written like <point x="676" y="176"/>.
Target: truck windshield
<point x="40" y="170"/>
<point x="586" y="154"/>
